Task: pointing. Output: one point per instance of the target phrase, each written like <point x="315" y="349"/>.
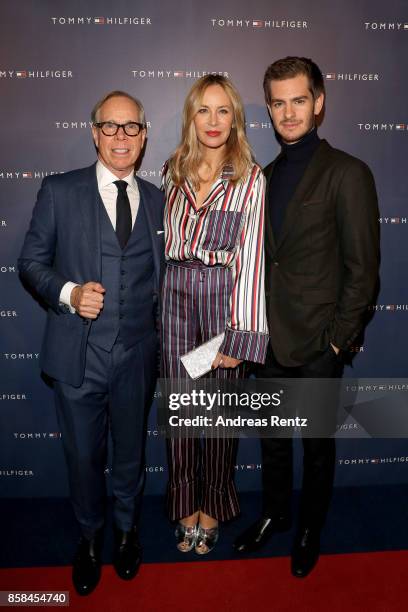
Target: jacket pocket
<point x="222" y="230"/>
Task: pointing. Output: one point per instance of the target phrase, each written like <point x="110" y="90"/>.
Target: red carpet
<point x="375" y="582"/>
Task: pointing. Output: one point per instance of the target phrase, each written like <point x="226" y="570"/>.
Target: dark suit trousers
<point x="319" y="453"/>
<point x="116" y="394"/>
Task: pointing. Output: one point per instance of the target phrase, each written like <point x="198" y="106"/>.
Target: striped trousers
<point x="196" y="306"/>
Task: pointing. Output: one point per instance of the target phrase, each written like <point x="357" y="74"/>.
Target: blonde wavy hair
<point x="186" y="159"/>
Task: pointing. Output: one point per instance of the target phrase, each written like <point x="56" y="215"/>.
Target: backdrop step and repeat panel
<point x="58" y="58"/>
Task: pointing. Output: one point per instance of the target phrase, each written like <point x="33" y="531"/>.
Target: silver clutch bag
<point x="198" y="361"/>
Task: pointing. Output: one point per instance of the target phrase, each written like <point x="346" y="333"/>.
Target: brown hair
<point x="118" y="94"/>
<point x="186" y="159"/>
<point x="292" y="66"/>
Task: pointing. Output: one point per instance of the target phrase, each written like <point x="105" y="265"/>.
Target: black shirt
<point x="286" y="175"/>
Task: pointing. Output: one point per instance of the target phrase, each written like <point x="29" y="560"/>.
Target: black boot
<point x="306" y="550"/>
<point x="127" y="553"/>
<point x="86" y="570"/>
<point x="259" y="533"/>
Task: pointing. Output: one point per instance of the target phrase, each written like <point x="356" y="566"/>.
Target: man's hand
<point x="335" y="349"/>
<point x="88" y="299"/>
<point x="224" y="361"/>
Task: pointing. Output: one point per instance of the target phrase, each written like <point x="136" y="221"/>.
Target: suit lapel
<point x="89" y="206"/>
<point x="306" y="183"/>
<point x="269" y="235"/>
<point x="151" y="226"/>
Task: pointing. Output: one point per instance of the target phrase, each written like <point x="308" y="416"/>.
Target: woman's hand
<point x="225" y="361"/>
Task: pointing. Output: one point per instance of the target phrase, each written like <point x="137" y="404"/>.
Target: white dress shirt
<point x="108" y="192"/>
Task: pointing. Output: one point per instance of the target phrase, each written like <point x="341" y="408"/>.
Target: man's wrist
<point x="65" y="296"/>
<point x="74" y="297"/>
<point x="335" y="348"/>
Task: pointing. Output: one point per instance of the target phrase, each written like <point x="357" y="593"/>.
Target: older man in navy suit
<point x="93" y="253"/>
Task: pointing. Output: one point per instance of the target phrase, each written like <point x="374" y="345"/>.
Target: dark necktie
<point x="123" y="214"/>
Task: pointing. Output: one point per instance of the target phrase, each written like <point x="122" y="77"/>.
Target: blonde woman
<point x="214" y="282"/>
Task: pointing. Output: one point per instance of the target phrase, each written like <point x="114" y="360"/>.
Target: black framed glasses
<point x="109" y="128"/>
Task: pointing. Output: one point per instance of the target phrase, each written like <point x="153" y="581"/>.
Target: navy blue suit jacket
<point x="63" y="244"/>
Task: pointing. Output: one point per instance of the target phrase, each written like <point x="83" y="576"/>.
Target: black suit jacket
<point x="321" y="274"/>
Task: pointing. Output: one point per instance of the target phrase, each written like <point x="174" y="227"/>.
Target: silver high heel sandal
<point x="206" y="540"/>
<point x="186" y="537"/>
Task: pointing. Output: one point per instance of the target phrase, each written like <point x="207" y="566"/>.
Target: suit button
<point x="122" y="287"/>
<point x="121" y="316"/>
<point x="121" y="302"/>
<point x="122" y="272"/>
<point x="86" y="321"/>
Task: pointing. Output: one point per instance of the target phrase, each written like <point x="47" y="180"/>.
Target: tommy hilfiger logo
<point x="377" y="386"/>
<point x="139" y="21"/>
<point x="386" y="26"/>
<point x="31" y="435"/>
<point x="393" y="220"/>
<point x="347" y="427"/>
<point x="81" y="125"/>
<point x="11" y="397"/>
<point x="383" y="127"/>
<point x="27" y="174"/>
<point x="151" y="469"/>
<point x="281" y="24"/>
<point x="259" y="125"/>
<point x="147" y="173"/>
<point x="20" y="356"/>
<point x="357" y="348"/>
<point x="372" y="460"/>
<point x="356" y="76"/>
<point x="16" y="473"/>
<point x="388" y="307"/>
<point x="173" y="74"/>
<point x="36" y="74"/>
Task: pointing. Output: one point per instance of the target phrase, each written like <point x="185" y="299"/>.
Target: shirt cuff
<point x="245" y="345"/>
<point x="65" y="296"/>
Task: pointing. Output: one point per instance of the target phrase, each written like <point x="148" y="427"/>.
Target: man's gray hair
<point x="118" y="94"/>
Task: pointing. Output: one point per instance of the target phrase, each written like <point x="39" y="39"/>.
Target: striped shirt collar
<point x="219" y="187"/>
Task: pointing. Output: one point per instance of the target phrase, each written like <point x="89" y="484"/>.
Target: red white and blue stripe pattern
<point x="195" y="306"/>
<point x="228" y="231"/>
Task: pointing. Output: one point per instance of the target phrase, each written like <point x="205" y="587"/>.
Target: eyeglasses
<point x="109" y="128"/>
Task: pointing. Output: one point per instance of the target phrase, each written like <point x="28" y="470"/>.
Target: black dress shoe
<point x="306" y="550"/>
<point x="259" y="533"/>
<point x="127" y="554"/>
<point x="86" y="570"/>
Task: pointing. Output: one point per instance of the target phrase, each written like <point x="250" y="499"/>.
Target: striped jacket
<point x="227" y="230"/>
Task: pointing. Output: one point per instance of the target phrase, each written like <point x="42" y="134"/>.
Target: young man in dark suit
<point x="322" y="256"/>
<point x="93" y="254"/>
